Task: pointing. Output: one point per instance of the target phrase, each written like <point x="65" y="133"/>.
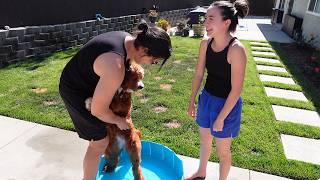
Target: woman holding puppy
<point x="97" y="70"/>
<point x="220" y="104"/>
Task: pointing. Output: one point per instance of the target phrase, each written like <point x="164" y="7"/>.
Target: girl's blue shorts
<point x="209" y="107"/>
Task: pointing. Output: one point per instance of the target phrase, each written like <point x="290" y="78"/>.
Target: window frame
<point x="313" y="12"/>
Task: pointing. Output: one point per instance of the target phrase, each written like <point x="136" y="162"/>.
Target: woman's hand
<point x="192" y="109"/>
<point x="124" y="123"/>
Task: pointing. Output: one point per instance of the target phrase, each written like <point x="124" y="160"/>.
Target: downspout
<point x="290" y="6"/>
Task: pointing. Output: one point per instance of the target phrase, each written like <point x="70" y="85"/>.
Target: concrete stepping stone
<point x="299" y="116"/>
<point x="39" y="90"/>
<point x="286" y="94"/>
<point x="144" y="99"/>
<point x="284" y="80"/>
<point x="172" y="80"/>
<point x="257" y="48"/>
<point x="254" y="175"/>
<point x="258" y="53"/>
<point x="271" y="68"/>
<point x="259" y="44"/>
<point x="191" y="70"/>
<point x="267" y="60"/>
<point x="301" y="149"/>
<point x="172" y="124"/>
<point x="160" y="109"/>
<point x="166" y="87"/>
<point x="177" y="62"/>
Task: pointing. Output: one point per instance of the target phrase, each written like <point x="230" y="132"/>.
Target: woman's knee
<point x="98" y="146"/>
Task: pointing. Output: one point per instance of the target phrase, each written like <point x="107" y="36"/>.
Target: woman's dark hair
<point x="155" y="39"/>
<point x="231" y="10"/>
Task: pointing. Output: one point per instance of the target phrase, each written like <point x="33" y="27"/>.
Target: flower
<point x="313" y="58"/>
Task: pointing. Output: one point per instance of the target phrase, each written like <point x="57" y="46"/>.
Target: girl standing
<point x="220" y="104"/>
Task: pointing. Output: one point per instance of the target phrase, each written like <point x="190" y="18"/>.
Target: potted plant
<point x="199" y="29"/>
<point x="185" y="31"/>
<point x="153" y="14"/>
<point x="164" y="24"/>
<point x="181" y="26"/>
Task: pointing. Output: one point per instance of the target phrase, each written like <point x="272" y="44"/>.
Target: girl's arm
<point x="198" y="76"/>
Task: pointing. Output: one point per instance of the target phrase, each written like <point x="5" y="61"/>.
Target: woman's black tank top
<point x="78" y="75"/>
<point x="218" y="82"/>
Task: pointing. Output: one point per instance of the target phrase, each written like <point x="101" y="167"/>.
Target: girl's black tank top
<point x="218" y="82"/>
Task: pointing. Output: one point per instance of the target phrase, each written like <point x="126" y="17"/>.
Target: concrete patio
<point x="38" y="152"/>
<point x="260" y="28"/>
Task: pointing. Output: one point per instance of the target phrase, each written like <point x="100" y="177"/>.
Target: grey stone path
<point x="295" y="148"/>
<point x="284" y="80"/>
<point x="301" y="149"/>
<point x="271" y="68"/>
<point x="267" y="60"/>
<point x="295" y="115"/>
<point x="285" y="94"/>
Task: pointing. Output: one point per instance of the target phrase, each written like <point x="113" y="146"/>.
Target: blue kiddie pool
<point x="158" y="163"/>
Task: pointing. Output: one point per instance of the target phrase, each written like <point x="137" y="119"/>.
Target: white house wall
<point x="311" y="22"/>
<point x="311" y="26"/>
<point x="286" y="6"/>
<point x="299" y="8"/>
<point x="277" y="3"/>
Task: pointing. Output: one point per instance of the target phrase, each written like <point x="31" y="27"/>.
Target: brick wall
<point x="20" y="43"/>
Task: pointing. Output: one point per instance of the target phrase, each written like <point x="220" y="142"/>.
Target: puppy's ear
<point x="138" y="133"/>
<point x="138" y="69"/>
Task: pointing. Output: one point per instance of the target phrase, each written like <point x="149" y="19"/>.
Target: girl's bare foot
<point x="196" y="176"/>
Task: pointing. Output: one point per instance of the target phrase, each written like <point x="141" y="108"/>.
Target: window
<point x="281" y="4"/>
<point x="314" y="6"/>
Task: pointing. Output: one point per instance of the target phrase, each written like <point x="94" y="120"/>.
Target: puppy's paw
<point x="109" y="168"/>
<point x="88" y="102"/>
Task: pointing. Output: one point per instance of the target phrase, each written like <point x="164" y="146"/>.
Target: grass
<point x="312" y="93"/>
<point x="266" y="44"/>
<point x="267" y="56"/>
<point x="259" y="48"/>
<point x="258" y="147"/>
<point x="273" y="73"/>
<point x="270" y="64"/>
<point x="282" y="86"/>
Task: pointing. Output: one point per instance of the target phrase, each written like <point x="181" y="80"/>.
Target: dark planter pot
<point x="152" y="19"/>
<point x="185" y="32"/>
<point x="178" y="33"/>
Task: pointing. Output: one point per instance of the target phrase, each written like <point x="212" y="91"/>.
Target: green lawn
<point x="29" y="91"/>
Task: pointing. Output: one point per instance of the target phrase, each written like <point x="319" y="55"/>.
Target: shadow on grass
<point x="196" y="37"/>
<point x="34" y="63"/>
<point x="289" y="60"/>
